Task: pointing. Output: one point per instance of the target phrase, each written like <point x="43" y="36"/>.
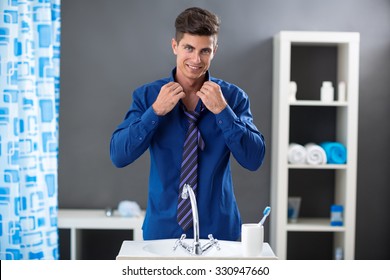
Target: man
<point x="190" y="108"/>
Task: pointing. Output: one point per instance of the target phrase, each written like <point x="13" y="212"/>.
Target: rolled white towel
<point x="296" y="154"/>
<point x="127" y="208"/>
<point x="315" y="154"/>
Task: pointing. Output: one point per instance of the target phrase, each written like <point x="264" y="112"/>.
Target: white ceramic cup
<point x="252" y="238"/>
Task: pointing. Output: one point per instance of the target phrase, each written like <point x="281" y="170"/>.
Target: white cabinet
<point x="78" y="220"/>
<point x="343" y="116"/>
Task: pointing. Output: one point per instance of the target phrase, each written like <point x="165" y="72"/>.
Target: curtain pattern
<point x="29" y="105"/>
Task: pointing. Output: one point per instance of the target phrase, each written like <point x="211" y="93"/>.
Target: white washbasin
<point x="163" y="249"/>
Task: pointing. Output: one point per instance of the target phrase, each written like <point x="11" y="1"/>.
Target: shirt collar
<point x="199" y="107"/>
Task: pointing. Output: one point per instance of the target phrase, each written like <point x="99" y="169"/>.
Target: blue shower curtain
<point x="29" y="104"/>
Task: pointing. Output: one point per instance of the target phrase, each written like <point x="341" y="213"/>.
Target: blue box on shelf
<point x="336" y="215"/>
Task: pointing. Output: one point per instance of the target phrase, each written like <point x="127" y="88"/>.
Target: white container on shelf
<point x="327" y="92"/>
<point x="293" y="91"/>
<point x="342" y="96"/>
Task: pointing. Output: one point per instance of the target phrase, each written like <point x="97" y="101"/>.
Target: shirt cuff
<point x="149" y="119"/>
<point x="225" y="119"/>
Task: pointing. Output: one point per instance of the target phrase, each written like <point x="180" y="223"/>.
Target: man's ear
<point x="174" y="46"/>
<point x="215" y="49"/>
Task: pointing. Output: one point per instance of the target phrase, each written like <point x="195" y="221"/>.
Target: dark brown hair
<point x="196" y="21"/>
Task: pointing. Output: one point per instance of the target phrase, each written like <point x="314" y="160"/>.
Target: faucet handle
<point x="214" y="242"/>
<point x="211" y="238"/>
<point x="183" y="236"/>
<point x="179" y="241"/>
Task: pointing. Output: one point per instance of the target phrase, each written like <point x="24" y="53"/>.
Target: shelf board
<point x="318" y="103"/>
<point x="319" y="166"/>
<point x="313" y="38"/>
<point x="314" y="224"/>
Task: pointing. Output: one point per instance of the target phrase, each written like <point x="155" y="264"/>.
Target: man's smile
<point x="194" y="67"/>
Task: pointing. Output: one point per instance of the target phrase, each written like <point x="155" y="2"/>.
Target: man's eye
<point x="206" y="51"/>
<point x="189" y="48"/>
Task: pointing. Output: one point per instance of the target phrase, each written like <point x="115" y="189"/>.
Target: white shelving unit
<point x="347" y="45"/>
<point x="78" y="220"/>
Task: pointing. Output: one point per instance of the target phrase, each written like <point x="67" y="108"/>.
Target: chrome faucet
<point x="196" y="248"/>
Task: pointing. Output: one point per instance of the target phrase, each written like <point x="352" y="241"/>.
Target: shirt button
<point x="140" y="138"/>
<point x="153" y="122"/>
<point x="220" y="121"/>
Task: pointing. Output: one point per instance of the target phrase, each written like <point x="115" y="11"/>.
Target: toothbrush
<point x="266" y="212"/>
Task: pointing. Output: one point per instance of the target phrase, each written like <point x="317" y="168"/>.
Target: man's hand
<point x="167" y="99"/>
<point x="212" y="97"/>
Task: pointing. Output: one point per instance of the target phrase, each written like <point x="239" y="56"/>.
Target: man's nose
<point x="196" y="57"/>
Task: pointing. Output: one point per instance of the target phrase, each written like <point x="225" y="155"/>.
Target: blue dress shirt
<point x="230" y="132"/>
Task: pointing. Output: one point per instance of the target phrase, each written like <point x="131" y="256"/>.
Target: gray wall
<point x="111" y="47"/>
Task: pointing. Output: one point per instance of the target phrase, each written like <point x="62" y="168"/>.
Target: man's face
<point x="193" y="55"/>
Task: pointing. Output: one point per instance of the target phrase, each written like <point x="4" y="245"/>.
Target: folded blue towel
<point x="335" y="152"/>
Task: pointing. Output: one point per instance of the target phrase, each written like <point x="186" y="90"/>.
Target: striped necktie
<point x="189" y="168"/>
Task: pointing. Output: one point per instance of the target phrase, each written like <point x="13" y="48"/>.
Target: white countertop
<point x="132" y="250"/>
<point x="96" y="219"/>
